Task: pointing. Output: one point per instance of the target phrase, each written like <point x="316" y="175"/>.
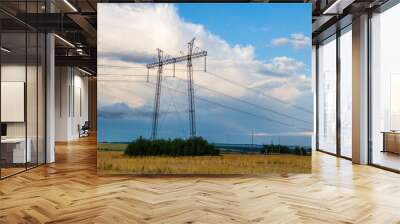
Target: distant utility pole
<point x="192" y="54"/>
<point x="252" y="136"/>
<point x="279" y="146"/>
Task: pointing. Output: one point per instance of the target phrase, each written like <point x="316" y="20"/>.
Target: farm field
<point x="111" y="160"/>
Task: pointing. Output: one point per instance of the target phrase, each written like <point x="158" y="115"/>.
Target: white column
<point x="62" y="103"/>
<point x="314" y="91"/>
<point x="50" y="99"/>
<point x="360" y="90"/>
<point x="50" y="92"/>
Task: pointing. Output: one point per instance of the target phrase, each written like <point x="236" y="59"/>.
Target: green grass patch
<point x="111" y="146"/>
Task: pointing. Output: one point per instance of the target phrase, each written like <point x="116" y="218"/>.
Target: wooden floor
<point x="5" y="172"/>
<point x="70" y="191"/>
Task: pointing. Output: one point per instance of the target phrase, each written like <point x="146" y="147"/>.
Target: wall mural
<point x="204" y="88"/>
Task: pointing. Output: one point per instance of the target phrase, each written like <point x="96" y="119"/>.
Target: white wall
<point x="14" y="73"/>
<point x="62" y="82"/>
<point x="17" y="73"/>
<point x="13" y="101"/>
<point x="70" y="84"/>
<point x="81" y="94"/>
<point x="33" y="126"/>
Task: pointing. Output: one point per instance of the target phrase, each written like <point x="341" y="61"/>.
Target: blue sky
<point x="263" y="47"/>
<point x="255" y="24"/>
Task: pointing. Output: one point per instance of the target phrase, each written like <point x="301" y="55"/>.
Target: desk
<point x="13" y="150"/>
<point x="391" y="141"/>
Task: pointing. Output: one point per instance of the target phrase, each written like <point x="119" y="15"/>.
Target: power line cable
<point x="140" y="67"/>
<point x="176" y="111"/>
<point x="250" y="103"/>
<point x="224" y="94"/>
<point x="260" y="92"/>
<point x="235" y="109"/>
<point x="227" y="80"/>
<point x="219" y="104"/>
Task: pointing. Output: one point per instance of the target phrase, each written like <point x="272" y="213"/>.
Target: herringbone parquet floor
<point x="69" y="191"/>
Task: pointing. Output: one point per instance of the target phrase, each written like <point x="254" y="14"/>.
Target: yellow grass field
<point x="115" y="162"/>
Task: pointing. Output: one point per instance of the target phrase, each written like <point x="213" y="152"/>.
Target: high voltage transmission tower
<point x="166" y="60"/>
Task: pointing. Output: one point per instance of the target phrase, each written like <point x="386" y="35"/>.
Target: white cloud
<point x="300" y="41"/>
<point x="296" y="40"/>
<point x="282" y="66"/>
<point x="280" y="41"/>
<point x="287" y="89"/>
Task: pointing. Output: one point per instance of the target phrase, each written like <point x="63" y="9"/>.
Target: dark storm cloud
<point x="122" y="110"/>
<point x="128" y="56"/>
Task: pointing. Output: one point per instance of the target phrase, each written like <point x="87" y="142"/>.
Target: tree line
<point x="283" y="149"/>
<point x="194" y="146"/>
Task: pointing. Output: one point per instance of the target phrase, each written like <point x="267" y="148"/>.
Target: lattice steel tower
<point x="162" y="60"/>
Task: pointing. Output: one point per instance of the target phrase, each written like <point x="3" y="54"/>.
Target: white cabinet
<point x="19" y="155"/>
